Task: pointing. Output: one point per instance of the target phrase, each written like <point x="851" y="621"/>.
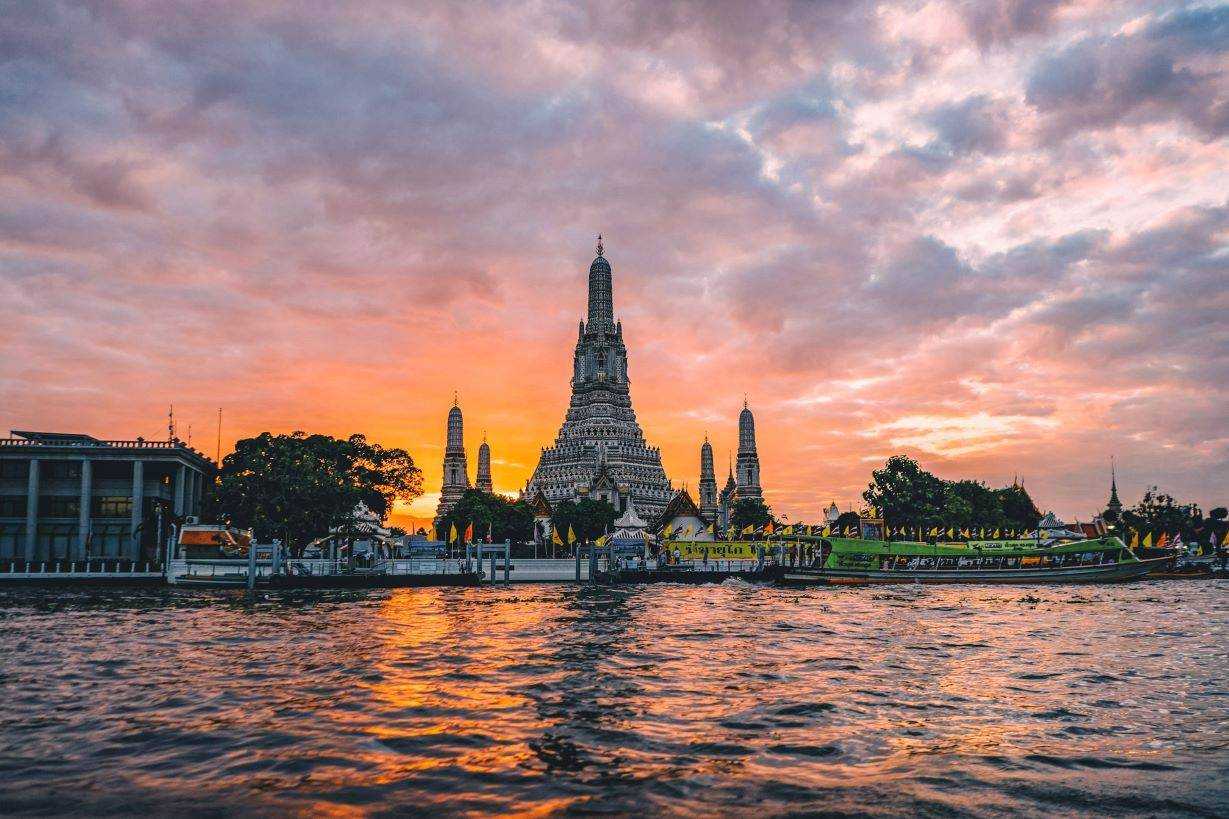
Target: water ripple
<point x="716" y="699"/>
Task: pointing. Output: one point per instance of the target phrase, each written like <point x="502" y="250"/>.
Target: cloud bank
<point x="989" y="235"/>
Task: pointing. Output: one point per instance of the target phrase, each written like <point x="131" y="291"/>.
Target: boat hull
<point x="1112" y="573"/>
<point x="684" y="576"/>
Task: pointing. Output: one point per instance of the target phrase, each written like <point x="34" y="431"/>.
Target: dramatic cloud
<point x="992" y="235"/>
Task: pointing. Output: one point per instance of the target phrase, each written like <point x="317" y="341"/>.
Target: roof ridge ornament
<point x="600" y="249"/>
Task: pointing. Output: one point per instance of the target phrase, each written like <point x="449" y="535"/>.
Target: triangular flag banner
<point x="826" y="532"/>
<point x="1162" y="540"/>
<point x="554" y="536"/>
<point x="571" y="535"/>
<point x="768" y="528"/>
<point x="1134" y="540"/>
<point x="469" y="533"/>
<point x="1147" y="544"/>
<point x="452" y="533"/>
<point x="1225" y="540"/>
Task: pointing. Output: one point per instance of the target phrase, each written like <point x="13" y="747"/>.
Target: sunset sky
<point x="992" y="235"/>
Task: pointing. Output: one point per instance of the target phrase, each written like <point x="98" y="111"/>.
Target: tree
<point x="496" y="515"/>
<point x="973" y="504"/>
<point x="589" y="519"/>
<point x="1019" y="511"/>
<point x="906" y="494"/>
<point x="295" y="487"/>
<point x="848" y="521"/>
<point x="750" y="512"/>
<point x="1159" y="512"/>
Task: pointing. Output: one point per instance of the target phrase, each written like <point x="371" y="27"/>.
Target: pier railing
<point x="99" y="568"/>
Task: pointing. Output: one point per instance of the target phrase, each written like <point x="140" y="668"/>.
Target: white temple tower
<point x="483" y="481"/>
<point x="708" y="483"/>
<point x="600" y="451"/>
<point x="748" y="475"/>
<point x="456" y="468"/>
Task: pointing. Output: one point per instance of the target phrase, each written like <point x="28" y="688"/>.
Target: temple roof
<point x="630" y="519"/>
<point x="681" y="505"/>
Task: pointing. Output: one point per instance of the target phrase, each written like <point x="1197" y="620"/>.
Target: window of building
<point x="58" y="506"/>
<point x="12" y="468"/>
<point x="12" y="540"/>
<point x="12" y="506"/>
<point x="112" y="506"/>
<point x="60" y="469"/>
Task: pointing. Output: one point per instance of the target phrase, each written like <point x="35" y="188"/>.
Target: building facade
<point x="600" y="451"/>
<point x="76" y="497"/>
<point x="456" y="467"/>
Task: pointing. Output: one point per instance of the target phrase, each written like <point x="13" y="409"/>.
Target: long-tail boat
<point x="854" y="561"/>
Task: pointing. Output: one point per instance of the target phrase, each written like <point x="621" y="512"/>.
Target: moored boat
<point x="852" y="561"/>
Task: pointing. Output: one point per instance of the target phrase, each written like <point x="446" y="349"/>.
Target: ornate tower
<point x="600" y="451"/>
<point x="456" y="469"/>
<point x="483" y="481"/>
<point x="708" y="483"/>
<point x="1114" y="505"/>
<point x="748" y="459"/>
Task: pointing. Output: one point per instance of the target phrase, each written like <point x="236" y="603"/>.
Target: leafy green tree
<point x="908" y="495"/>
<point x="296" y="486"/>
<point x="1158" y="511"/>
<point x="588" y="518"/>
<point x="750" y="512"/>
<point x="848" y="521"/>
<point x="1019" y="511"/>
<point x="905" y="494"/>
<point x="500" y="517"/>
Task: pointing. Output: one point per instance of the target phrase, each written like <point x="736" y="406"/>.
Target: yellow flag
<point x="452" y="533"/>
<point x="601" y="541"/>
<point x="998" y="533"/>
<point x="571" y="536"/>
<point x="554" y="536"/>
<point x="827" y="532"/>
<point x="1147" y="544"/>
<point x="1135" y="540"/>
<point x="712" y="528"/>
<point x="748" y="529"/>
<point x="665" y="533"/>
<point x="1225" y="541"/>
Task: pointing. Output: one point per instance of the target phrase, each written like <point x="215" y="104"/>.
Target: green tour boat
<point x="854" y="561"/>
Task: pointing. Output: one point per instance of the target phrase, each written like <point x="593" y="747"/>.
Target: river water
<point x="720" y="699"/>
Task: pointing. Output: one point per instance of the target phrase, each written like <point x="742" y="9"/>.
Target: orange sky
<point x="994" y="242"/>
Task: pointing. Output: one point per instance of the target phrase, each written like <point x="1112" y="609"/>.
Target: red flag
<point x="469" y="533"/>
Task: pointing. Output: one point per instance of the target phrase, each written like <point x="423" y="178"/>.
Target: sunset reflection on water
<point x="542" y="699"/>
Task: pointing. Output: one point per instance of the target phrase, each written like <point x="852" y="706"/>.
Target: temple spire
<point x="601" y="296"/>
<point x="1113" y="505"/>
